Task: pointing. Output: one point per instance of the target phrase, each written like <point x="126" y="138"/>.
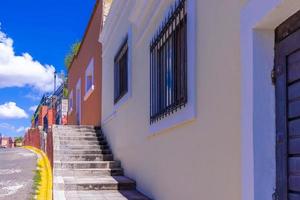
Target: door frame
<point x="78" y="101"/>
<point x="259" y="20"/>
<point x="281" y="123"/>
<point x="285" y="45"/>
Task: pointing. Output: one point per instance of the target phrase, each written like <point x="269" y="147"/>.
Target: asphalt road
<point x="17" y="167"/>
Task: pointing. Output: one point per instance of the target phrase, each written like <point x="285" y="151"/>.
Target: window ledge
<point x="186" y="114"/>
<point x="88" y="93"/>
<point x="70" y="111"/>
<point x="121" y="101"/>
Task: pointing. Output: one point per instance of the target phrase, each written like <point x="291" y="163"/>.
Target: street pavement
<point x="17" y="167"/>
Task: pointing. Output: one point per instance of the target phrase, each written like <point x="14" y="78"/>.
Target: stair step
<point x="74" y="134"/>
<point x="89" y="172"/>
<point x="77" y="130"/>
<point x="80" y="147"/>
<point x="82" y="143"/>
<point x="81" y="151"/>
<point x="79" y="138"/>
<point x="86" y="164"/>
<point x="85" y="157"/>
<point x="105" y="195"/>
<point x="84" y="168"/>
<point x="75" y="127"/>
<point x="95" y="183"/>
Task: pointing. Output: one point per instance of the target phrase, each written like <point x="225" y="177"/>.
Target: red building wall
<point x="42" y="114"/>
<point x="33" y="138"/>
<point x="51" y="116"/>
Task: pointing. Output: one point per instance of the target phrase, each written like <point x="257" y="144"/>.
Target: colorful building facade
<point x="85" y="74"/>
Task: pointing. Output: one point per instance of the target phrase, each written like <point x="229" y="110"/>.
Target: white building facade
<point x="211" y="133"/>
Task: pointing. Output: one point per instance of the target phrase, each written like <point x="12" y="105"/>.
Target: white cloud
<point x="22" y="70"/>
<point x="10" y="110"/>
<point x="12" y="128"/>
<point x="33" y="97"/>
<point x="20" y="129"/>
<point x="33" y="108"/>
<point x="7" y="126"/>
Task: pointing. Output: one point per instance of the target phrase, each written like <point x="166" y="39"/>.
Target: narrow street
<point x="17" y="167"/>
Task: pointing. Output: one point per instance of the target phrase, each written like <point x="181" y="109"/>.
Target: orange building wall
<point x="32" y="138"/>
<point x="51" y="116"/>
<point x="43" y="113"/>
<point x="90" y="48"/>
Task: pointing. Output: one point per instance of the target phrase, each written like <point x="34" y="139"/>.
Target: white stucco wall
<point x="200" y="159"/>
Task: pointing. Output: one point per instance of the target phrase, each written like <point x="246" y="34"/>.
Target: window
<point x="78" y="102"/>
<point x="168" y="65"/>
<point x="89" y="82"/>
<point x="89" y="79"/>
<point x="121" y="72"/>
<point x="71" y="101"/>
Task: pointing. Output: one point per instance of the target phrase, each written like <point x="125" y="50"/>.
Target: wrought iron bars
<point x="168" y="64"/>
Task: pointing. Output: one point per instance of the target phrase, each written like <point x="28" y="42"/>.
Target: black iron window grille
<point x="121" y="72"/>
<point x="168" y="64"/>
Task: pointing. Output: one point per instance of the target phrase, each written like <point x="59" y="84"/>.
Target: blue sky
<point x="44" y="31"/>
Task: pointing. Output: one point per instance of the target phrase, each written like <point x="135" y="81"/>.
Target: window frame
<point x="89" y="71"/>
<point x="168" y="65"/>
<point x="188" y="112"/>
<point x="78" y="101"/>
<point x="71" y="99"/>
<point x="123" y="51"/>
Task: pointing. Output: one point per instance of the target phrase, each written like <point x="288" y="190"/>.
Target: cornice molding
<point x="117" y="10"/>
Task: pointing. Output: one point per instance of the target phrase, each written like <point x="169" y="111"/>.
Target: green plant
<point x="72" y="53"/>
<point x="65" y="92"/>
<point x="37" y="179"/>
<point x="18" y="139"/>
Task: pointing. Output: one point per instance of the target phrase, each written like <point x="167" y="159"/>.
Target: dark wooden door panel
<point x="294" y="109"/>
<point x="294" y="92"/>
<point x="294" y="196"/>
<point x="294" y="166"/>
<point x="294" y="146"/>
<point x="294" y="66"/>
<point x="294" y="128"/>
<point x="294" y="183"/>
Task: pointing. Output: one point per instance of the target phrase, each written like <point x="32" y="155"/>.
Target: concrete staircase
<point x="84" y="167"/>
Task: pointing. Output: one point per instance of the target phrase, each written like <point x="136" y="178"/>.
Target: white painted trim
<point x="138" y="10"/>
<point x="255" y="15"/>
<point x="108" y="118"/>
<point x="71" y="105"/>
<point x="188" y="112"/>
<point x="148" y="18"/>
<point x="117" y="12"/>
<point x="89" y="92"/>
<point x="78" y="111"/>
<point x="127" y="96"/>
<point x="89" y="71"/>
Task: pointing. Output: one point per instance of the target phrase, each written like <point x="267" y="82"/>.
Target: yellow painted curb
<point x="44" y="192"/>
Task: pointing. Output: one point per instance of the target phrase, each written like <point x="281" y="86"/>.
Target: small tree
<point x="18" y="139"/>
<point x="72" y="53"/>
<point x="65" y="92"/>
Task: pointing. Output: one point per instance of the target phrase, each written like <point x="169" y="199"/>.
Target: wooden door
<point x="287" y="73"/>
